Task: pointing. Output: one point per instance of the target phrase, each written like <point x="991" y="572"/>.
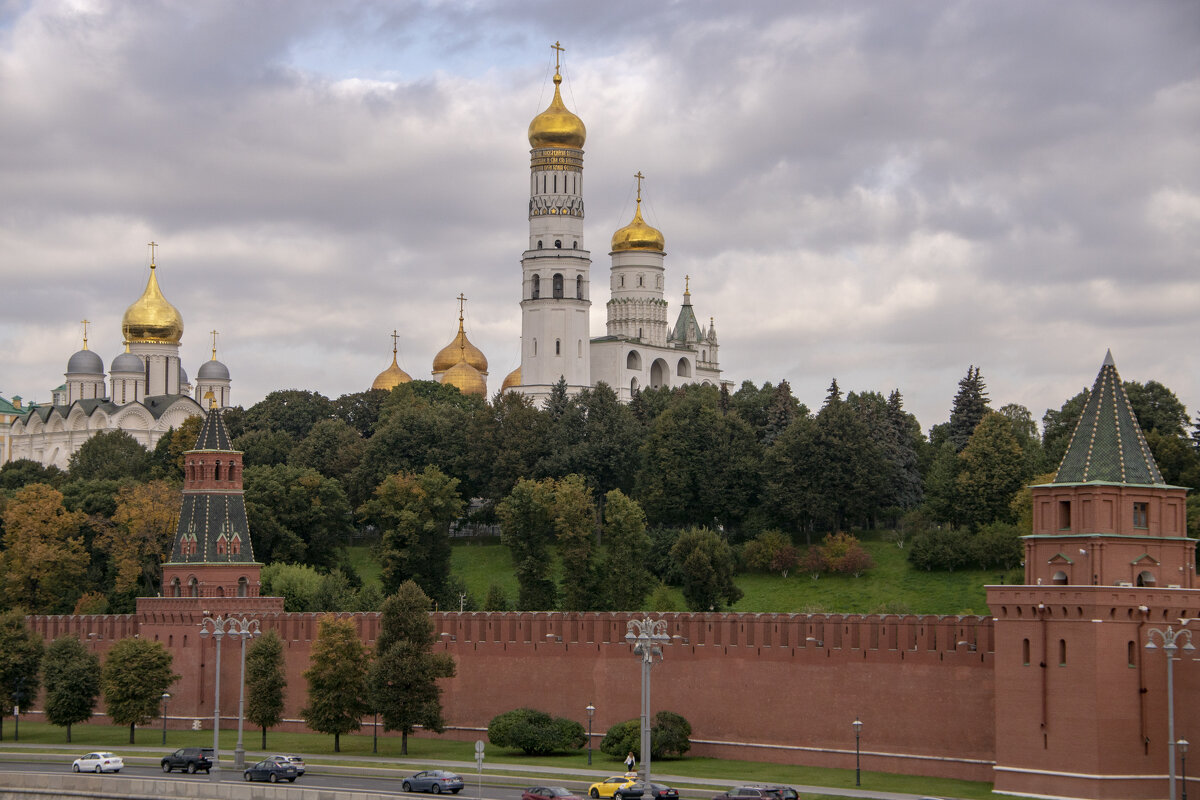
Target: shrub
<point x="843" y="554"/>
<point x="496" y="599"/>
<point x="814" y="562"/>
<point x="669" y="735"/>
<point x="997" y="546"/>
<point x="535" y="733"/>
<point x="939" y="549"/>
<point x="661" y="599"/>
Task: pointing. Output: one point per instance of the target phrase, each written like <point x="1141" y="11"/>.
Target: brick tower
<point x="1081" y="705"/>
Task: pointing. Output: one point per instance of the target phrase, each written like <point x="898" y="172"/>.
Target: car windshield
<point x="559" y="791"/>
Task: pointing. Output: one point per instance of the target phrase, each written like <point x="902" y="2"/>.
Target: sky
<point x="882" y="193"/>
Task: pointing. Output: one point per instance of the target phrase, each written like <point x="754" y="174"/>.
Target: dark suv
<point x="189" y="759"/>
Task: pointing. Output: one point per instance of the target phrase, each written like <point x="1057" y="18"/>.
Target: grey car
<point x="434" y="780"/>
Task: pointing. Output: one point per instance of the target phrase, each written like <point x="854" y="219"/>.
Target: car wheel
<point x="437" y="789"/>
<point x="166" y="767"/>
<point x="273" y="778"/>
<point x="191" y="769"/>
<point x="407" y="786"/>
<point x="291" y="780"/>
<point x="98" y="769"/>
<point x="75" y="768"/>
<point x="246" y="776"/>
<point x="595" y="794"/>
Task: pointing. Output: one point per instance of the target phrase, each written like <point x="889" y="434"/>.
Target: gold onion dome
<point x="637" y="235"/>
<point x="512" y="379"/>
<point x="460" y="349"/>
<point x="468" y="379"/>
<point x="391" y="377"/>
<point x="556" y="126"/>
<point x="152" y="318"/>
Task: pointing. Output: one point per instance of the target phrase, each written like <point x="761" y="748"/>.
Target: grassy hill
<point x="892" y="586"/>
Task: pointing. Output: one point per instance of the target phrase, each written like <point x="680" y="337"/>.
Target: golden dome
<point x="152" y="318"/>
<point x="468" y="379"/>
<point x="460" y="349"/>
<point x="512" y="379"/>
<point x="637" y="235"/>
<point x="391" y="377"/>
<point x="556" y="126"/>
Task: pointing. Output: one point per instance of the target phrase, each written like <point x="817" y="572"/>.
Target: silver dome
<point x="127" y="363"/>
<point x="213" y="370"/>
<point x="85" y="362"/>
<point x="183" y="378"/>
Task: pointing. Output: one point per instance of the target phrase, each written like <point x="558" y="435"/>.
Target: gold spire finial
<point x="152" y="246"/>
<point x="687" y="284"/>
<point x="558" y="50"/>
<point x="214" y="347"/>
<point x="85" y="323"/>
<point x="639" y="177"/>
<point x="461" y="299"/>
<point x="395" y="336"/>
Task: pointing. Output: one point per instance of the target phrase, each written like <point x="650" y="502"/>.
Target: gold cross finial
<point x="85" y="324"/>
<point x="639" y="177"/>
<point x="395" y="336"/>
<point x="461" y="299"/>
<point x="152" y="246"/>
<point x="214" y="348"/>
<point x="687" y="284"/>
<point x="558" y="49"/>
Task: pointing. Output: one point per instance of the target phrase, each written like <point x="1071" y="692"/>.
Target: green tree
<point x="332" y="447"/>
<point x="1025" y="432"/>
<point x="627" y="547"/>
<point x="970" y="404"/>
<point x="266" y="682"/>
<point x="296" y="515"/>
<point x="20" y="660"/>
<point x="941" y="485"/>
<point x="360" y="410"/>
<point x="527" y="529"/>
<point x="72" y="678"/>
<point x="23" y="471"/>
<point x="535" y="733"/>
<point x="574" y="520"/>
<point x="403" y="682"/>
<point x="413" y="513"/>
<point x="706" y="563"/>
<point x="297" y="584"/>
<point x="142" y="532"/>
<point x="670" y="734"/>
<point x="336" y="680"/>
<point x="518" y="437"/>
<point x="991" y="472"/>
<point x="136" y="673"/>
<point x="1059" y="426"/>
<point x="264" y="448"/>
<point x="44" y="560"/>
<point x="110" y="454"/>
<point x="292" y="411"/>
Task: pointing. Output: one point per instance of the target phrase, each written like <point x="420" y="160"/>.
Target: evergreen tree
<point x="336" y="680"/>
<point x="906" y="479"/>
<point x="403" y="680"/>
<point x="136" y="673"/>
<point x="833" y="394"/>
<point x="559" y="401"/>
<point x="72" y="678"/>
<point x="783" y="408"/>
<point x="266" y="681"/>
<point x="970" y="404"/>
<point x="707" y="564"/>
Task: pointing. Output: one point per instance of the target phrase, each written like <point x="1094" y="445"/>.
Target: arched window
<point x="558" y="244"/>
<point x="1062" y="652"/>
<point x="539" y="244"/>
<point x="176" y="588"/>
<point x="558" y="347"/>
<point x="217" y="471"/>
<point x="685" y="368"/>
<point x="558" y="286"/>
<point x="535" y="347"/>
<point x="235" y="545"/>
<point x="622" y="281"/>
<point x="578" y="287"/>
<point x="633" y="360"/>
<point x="220" y="591"/>
<point x="575" y="245"/>
<point x="579" y="348"/>
<point x="659" y="374"/>
<point x="1060" y="578"/>
<point x="1145" y="578"/>
<point x="633" y="386"/>
<point x="537" y="283"/>
<point x="1025" y="652"/>
<point x="641" y="280"/>
<point x="704" y="355"/>
<point x="243" y="587"/>
<point x="193" y="588"/>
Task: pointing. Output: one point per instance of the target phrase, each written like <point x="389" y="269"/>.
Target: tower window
<point x="558" y="347"/>
<point x="578" y="287"/>
<point x="1064" y="515"/>
<point x="1025" y="652"/>
<point x="1062" y="652"/>
<point x="622" y="281"/>
<point x="243" y="587"/>
<point x="558" y="286"/>
<point x="193" y="588"/>
<point x="574" y="245"/>
<point x="580" y="347"/>
<point x="1140" y="515"/>
<point x="558" y="244"/>
<point x="535" y="347"/>
<point x="537" y="283"/>
<point x="539" y="244"/>
<point x="641" y="281"/>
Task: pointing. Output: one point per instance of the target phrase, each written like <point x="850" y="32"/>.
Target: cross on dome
<point x="152" y="246"/>
<point x="85" y="323"/>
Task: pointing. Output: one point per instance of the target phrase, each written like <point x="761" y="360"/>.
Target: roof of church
<point x="213" y="434"/>
<point x="1108" y="445"/>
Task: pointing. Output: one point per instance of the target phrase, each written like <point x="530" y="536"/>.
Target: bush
<point x="939" y="550"/>
<point x="535" y="733"/>
<point x="661" y="599"/>
<point x="770" y="551"/>
<point x="669" y="736"/>
<point x="997" y="546"/>
<point x="496" y="599"/>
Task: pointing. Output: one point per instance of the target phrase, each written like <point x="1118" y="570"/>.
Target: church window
<point x="558" y="244"/>
<point x="641" y="280"/>
<point x="558" y="286"/>
<point x="658" y="283"/>
<point x="558" y="347"/>
<point x="539" y="244"/>
<point x="684" y="369"/>
<point x="622" y="279"/>
<point x="537" y="283"/>
<point x="578" y="287"/>
<point x="633" y="386"/>
<point x="243" y="587"/>
<point x="704" y="355"/>
<point x="1145" y="578"/>
<point x="556" y="183"/>
<point x="1064" y="515"/>
<point x="575" y="245"/>
<point x="1060" y="578"/>
<point x="1140" y="515"/>
<point x="633" y="360"/>
<point x="176" y="588"/>
<point x="193" y="588"/>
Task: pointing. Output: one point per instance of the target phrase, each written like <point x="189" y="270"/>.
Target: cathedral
<point x="147" y="392"/>
<point x="640" y="349"/>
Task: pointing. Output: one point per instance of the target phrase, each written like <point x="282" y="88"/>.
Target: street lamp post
<point x="165" y="697"/>
<point x="1169" y="638"/>
<point x="591" y="709"/>
<point x="647" y="637"/>
<point x="17" y="697"/>
<point x="857" y="724"/>
<point x="243" y="629"/>
<point x="1182" y="746"/>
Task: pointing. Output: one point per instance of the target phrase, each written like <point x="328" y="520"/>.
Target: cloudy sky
<point x="884" y="193"/>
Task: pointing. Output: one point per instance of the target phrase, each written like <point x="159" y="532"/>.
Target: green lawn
<point x="318" y="749"/>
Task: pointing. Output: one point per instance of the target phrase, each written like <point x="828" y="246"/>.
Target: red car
<point x="548" y="793"/>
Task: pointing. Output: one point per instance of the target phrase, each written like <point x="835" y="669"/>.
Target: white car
<point x="98" y="762"/>
<point x="295" y="761"/>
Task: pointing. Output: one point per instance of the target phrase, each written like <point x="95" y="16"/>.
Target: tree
<point x="1025" y="433"/>
<point x="143" y="530"/>
<point x="970" y="404"/>
<point x="72" y="678"/>
<point x="360" y="410"/>
<point x="265" y="683"/>
<point x="991" y="472"/>
<point x="1059" y="426"/>
<point x="527" y="529"/>
<point x="110" y="454"/>
<point x="20" y="660"/>
<point x="264" y="448"/>
<point x="167" y="458"/>
<point x="291" y="411"/>
<point x="841" y="552"/>
<point x="404" y="678"/>
<point x="23" y="471"/>
<point x="336" y="680"/>
<point x="413" y="512"/>
<point x="535" y="733"/>
<point x="296" y="515"/>
<point x="136" y="673"/>
<point x="627" y="546"/>
<point x="574" y="519"/>
<point x="44" y="560"/>
<point x="332" y="448"/>
<point x="706" y="563"/>
<point x="670" y="734"/>
<point x="517" y="438"/>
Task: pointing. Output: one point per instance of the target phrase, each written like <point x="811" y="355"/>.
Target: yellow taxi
<point x="608" y="787"/>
